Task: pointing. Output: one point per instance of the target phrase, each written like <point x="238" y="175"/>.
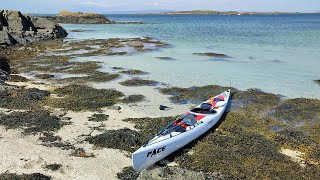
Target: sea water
<point x="275" y="53"/>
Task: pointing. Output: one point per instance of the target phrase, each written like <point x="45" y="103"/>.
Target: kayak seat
<point x="205" y="108"/>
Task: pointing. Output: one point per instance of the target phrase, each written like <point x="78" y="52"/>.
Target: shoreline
<point x="250" y="119"/>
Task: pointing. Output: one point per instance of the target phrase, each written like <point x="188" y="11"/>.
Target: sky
<point x="118" y="6"/>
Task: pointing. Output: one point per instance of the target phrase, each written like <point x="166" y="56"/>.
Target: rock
<point x="118" y="108"/>
<point x="159" y="173"/>
<point x="4" y="69"/>
<point x="138" y="44"/>
<point x="317" y="81"/>
<point x="211" y="54"/>
<point x="58" y="113"/>
<point x="16" y="28"/>
<point x="81" y="18"/>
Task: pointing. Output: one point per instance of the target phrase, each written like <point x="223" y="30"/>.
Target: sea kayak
<point x="182" y="131"/>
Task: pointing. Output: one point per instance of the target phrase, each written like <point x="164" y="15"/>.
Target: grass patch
<point x="34" y="176"/>
<point x="20" y="98"/>
<point x="80" y="97"/>
<point x="31" y="121"/>
<point x="138" y="82"/>
<point x="98" y="117"/>
<point x="133" y="98"/>
<point x="124" y="139"/>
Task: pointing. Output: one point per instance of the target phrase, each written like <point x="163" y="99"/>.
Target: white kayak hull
<point x="153" y="152"/>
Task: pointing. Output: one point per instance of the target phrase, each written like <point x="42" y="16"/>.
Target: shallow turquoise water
<point x="278" y="54"/>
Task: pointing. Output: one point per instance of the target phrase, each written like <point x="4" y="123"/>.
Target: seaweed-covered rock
<point x="136" y="44"/>
<point x="4" y="69"/>
<point x="20" y="98"/>
<point x="255" y="101"/>
<point x="133" y="98"/>
<point x="31" y="121"/>
<point x="177" y="174"/>
<point x="80" y="97"/>
<point x="138" y="82"/>
<point x="299" y="112"/>
<point x="128" y="173"/>
<point x="17" y="78"/>
<point x="98" y="117"/>
<point x="44" y="76"/>
<point x="34" y="176"/>
<point x="133" y="72"/>
<point x="211" y="54"/>
<point x="124" y="139"/>
<point x="53" y="167"/>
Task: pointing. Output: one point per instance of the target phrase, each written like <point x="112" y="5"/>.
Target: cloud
<point x="91" y="3"/>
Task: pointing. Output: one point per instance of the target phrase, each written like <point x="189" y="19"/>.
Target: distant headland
<point x="227" y="13"/>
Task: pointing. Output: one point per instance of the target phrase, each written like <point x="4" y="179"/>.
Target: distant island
<point x="227" y="13"/>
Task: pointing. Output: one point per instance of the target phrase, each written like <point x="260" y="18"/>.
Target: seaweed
<point x="194" y="95"/>
<point x="297" y="111"/>
<point x="98" y="117"/>
<point x="34" y="176"/>
<point x="133" y="98"/>
<point x="255" y="101"/>
<point x="94" y="77"/>
<point x="53" y="167"/>
<point x="31" y="122"/>
<point x="80" y="97"/>
<point x="133" y="72"/>
<point x="80" y="152"/>
<point x="17" y="78"/>
<point x="165" y="58"/>
<point x="44" y="76"/>
<point x="149" y="126"/>
<point x="211" y="54"/>
<point x="21" y="98"/>
<point x="128" y="173"/>
<point x="124" y="139"/>
<point x="138" y="82"/>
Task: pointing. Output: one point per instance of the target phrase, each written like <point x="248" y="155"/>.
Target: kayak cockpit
<point x="184" y="123"/>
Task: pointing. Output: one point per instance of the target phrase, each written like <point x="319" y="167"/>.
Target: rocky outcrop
<point x="16" y="28"/>
<point x="4" y="69"/>
<point x="81" y="18"/>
